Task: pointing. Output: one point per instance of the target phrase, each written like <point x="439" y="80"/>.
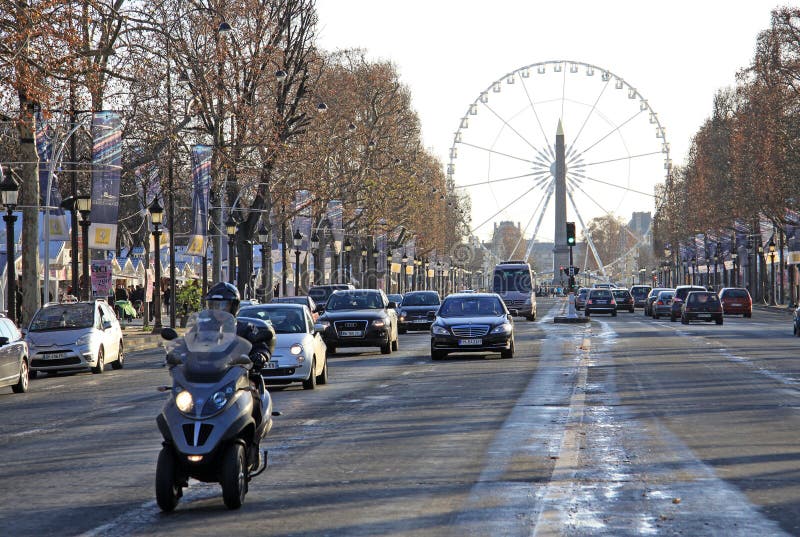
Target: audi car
<point x="472" y="322"/>
<point x="414" y="312"/>
<point x="359" y="318"/>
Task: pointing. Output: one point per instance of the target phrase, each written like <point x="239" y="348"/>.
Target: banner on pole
<point x="101" y="277"/>
<point x="201" y="181"/>
<point x="45" y="133"/>
<point x="106" y="166"/>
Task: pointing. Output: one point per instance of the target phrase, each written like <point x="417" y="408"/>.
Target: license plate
<point x="470" y="342"/>
<point x="703" y="315"/>
<point x="602" y="301"/>
<point x="736" y="305"/>
<point x="419" y="321"/>
<point x="352" y="333"/>
<point x="271" y="365"/>
<point x="55" y="355"/>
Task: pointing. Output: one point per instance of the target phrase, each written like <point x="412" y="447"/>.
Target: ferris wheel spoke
<point x="608" y="213"/>
<point x="612" y="131"/>
<point x="525" y="229"/>
<point x="588" y="116"/>
<point x="503" y="209"/>
<point x="507" y="124"/>
<point x="629" y="157"/>
<point x="627" y="189"/>
<point x="547" y="198"/>
<point x="586" y="234"/>
<point x="492" y="181"/>
<point x="525" y="160"/>
<point x="535" y="113"/>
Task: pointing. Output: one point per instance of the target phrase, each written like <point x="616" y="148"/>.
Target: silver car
<point x="14" y="369"/>
<point x="662" y="304"/>
<point x="75" y="337"/>
<point x="300" y="354"/>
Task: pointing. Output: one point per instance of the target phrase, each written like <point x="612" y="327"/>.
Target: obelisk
<point x="560" y="248"/>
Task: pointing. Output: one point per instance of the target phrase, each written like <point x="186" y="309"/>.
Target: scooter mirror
<point x="242" y="360"/>
<point x="169" y="334"/>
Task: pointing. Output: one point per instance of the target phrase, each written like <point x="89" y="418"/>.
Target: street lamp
<point x="337" y="250"/>
<point x="84" y="205"/>
<point x="315" y="253"/>
<point x="348" y="247"/>
<point x="364" y="267"/>
<point x="263" y="240"/>
<point x="403" y="261"/>
<point x="230" y="228"/>
<point x="157" y="217"/>
<point x="758" y="273"/>
<point x="667" y="256"/>
<point x="734" y="256"/>
<point x="374" y="279"/>
<point x="9" y="190"/>
<point x="388" y="273"/>
<point x="297" y="238"/>
<point x="771" y="247"/>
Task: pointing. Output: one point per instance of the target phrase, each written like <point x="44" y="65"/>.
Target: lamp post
<point x="348" y="247"/>
<point x="388" y="274"/>
<point x="426" y="265"/>
<point x="734" y="256"/>
<point x="157" y="217"/>
<point x="315" y="253"/>
<point x="694" y="270"/>
<point x="771" y="247"/>
<point x="759" y="271"/>
<point x="337" y="250"/>
<point x="230" y="228"/>
<point x="84" y="205"/>
<point x="263" y="240"/>
<point x="374" y="279"/>
<point x="364" y="267"/>
<point x="403" y="261"/>
<point x="667" y="255"/>
<point x="716" y="261"/>
<point x="297" y="239"/>
<point x="9" y="190"/>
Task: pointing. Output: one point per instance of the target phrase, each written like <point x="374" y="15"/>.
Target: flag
<point x="201" y="186"/>
<point x="106" y="167"/>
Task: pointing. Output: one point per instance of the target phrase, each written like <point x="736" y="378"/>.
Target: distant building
<point x="640" y="224"/>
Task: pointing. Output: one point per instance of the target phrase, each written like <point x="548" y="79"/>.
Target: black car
<point x="624" y="299"/>
<point x="413" y="314"/>
<point x="600" y="300"/>
<point x="640" y="293"/>
<point x="14" y="367"/>
<point x="472" y="322"/>
<point x="701" y="306"/>
<point x="681" y="292"/>
<point x="359" y="318"/>
<point x="321" y="293"/>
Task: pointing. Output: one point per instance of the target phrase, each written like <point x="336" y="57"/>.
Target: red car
<point x="736" y="301"/>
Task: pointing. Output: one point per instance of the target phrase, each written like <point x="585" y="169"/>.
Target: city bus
<point x="513" y="281"/>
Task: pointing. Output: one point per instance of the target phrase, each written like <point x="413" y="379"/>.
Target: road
<point x="624" y="426"/>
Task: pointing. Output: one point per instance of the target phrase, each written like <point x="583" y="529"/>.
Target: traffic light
<point x="570" y="233"/>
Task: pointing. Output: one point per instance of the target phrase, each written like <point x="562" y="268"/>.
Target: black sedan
<point x="701" y="306"/>
<point x="414" y="311"/>
<point x="14" y="370"/>
<point x="472" y="322"/>
<point x="359" y="318"/>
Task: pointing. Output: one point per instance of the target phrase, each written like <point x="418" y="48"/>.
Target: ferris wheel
<point x="616" y="153"/>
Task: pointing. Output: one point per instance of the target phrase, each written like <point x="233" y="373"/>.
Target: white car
<point x="75" y="337"/>
<point x="300" y="354"/>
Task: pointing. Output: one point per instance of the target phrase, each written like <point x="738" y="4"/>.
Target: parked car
<point x="359" y="318"/>
<point x="413" y="314"/>
<point x="662" y="304"/>
<point x="681" y="292"/>
<point x="75" y="337"/>
<point x="640" y="293"/>
<point x="603" y="286"/>
<point x="396" y="298"/>
<point x="736" y="301"/>
<point x="600" y="300"/>
<point x="303" y="300"/>
<point x="473" y="322"/>
<point x="580" y="298"/>
<point x="300" y="355"/>
<point x="14" y="366"/>
<point x="321" y="293"/>
<point x="651" y="297"/>
<point x="623" y="298"/>
<point x="701" y="306"/>
<point x="796" y="321"/>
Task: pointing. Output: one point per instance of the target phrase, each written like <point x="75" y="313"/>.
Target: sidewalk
<point x="136" y="338"/>
<point x="782" y="308"/>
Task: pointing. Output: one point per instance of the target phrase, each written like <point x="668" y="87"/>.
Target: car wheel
<point x="671" y="318"/>
<point x="396" y="345"/>
<point x="508" y="353"/>
<point x="748" y="315"/>
<point x="233" y="476"/>
<point x="311" y="382"/>
<point x="655" y="316"/>
<point x="168" y="491"/>
<point x="719" y="321"/>
<point x="32" y="374"/>
<point x="631" y="310"/>
<point x="22" y="385"/>
<point x="614" y="313"/>
<point x="402" y="330"/>
<point x="331" y="350"/>
<point x="101" y="362"/>
<point x="684" y="320"/>
<point x="323" y="377"/>
<point x="119" y="363"/>
<point x="587" y="313"/>
<point x="387" y="349"/>
<point x="438" y="355"/>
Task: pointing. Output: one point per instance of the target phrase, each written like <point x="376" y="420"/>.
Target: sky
<point x="676" y="54"/>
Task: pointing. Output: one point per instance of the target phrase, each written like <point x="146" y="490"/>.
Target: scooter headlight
<point x="221" y="398"/>
<point x="184" y="401"/>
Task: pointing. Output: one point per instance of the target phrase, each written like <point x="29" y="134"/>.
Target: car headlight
<point x="439" y="330"/>
<point x="296" y="349"/>
<point x="402" y="315"/>
<point x="84" y="340"/>
<point x="378" y="323"/>
<point x="504" y="328"/>
<point x="184" y="401"/>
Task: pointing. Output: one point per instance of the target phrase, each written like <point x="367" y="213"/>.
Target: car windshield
<point x="640" y="291"/>
<point x="320" y="294"/>
<point x="702" y="298"/>
<point x="621" y="294"/>
<point x="284" y="319"/>
<point x="290" y="300"/>
<point x="484" y="306"/>
<point x="600" y="293"/>
<point x="736" y="293"/>
<point x="354" y="300"/>
<point x="421" y="299"/>
<point x="63" y="316"/>
<point x="665" y="295"/>
<point x="512" y="280"/>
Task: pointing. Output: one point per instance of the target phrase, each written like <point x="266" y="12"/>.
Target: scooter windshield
<point x="209" y="345"/>
<point x="213" y="331"/>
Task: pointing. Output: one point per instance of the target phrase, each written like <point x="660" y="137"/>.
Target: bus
<point x="513" y="281"/>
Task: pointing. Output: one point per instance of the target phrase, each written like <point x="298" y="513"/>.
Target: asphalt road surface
<point x="624" y="426"/>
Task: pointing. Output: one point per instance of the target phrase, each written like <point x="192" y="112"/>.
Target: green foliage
<point x="189" y="297"/>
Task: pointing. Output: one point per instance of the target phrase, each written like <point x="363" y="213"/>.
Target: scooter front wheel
<point x="168" y="491"/>
<point x="233" y="477"/>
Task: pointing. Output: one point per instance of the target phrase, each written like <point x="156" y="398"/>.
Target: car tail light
<point x="659" y="303"/>
<point x="613" y="302"/>
<point x="589" y="301"/>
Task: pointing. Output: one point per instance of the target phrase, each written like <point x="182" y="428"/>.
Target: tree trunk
<point x="29" y="199"/>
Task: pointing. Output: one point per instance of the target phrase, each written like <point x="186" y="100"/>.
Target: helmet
<point x="223" y="296"/>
